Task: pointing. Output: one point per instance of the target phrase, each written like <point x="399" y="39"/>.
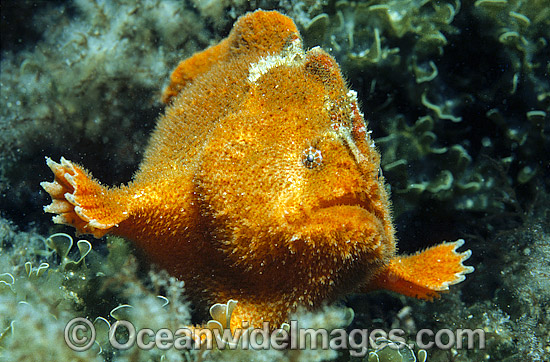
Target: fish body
<point x="261" y="183"/>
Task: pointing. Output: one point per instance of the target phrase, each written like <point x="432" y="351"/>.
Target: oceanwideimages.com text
<point x="80" y="335"/>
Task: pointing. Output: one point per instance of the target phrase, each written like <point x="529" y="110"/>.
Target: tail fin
<point x="426" y="273"/>
<point x="82" y="202"/>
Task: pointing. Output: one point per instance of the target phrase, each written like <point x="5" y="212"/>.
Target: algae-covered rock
<point x="38" y="302"/>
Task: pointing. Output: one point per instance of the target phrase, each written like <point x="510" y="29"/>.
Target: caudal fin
<point x="426" y="273"/>
<point x="80" y="201"/>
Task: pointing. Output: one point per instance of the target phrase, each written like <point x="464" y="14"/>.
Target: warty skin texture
<point x="260" y="184"/>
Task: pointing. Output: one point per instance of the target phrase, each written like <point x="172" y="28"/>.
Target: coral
<point x="363" y="33"/>
<point x="522" y="27"/>
<point x="404" y="151"/>
<point x="522" y="116"/>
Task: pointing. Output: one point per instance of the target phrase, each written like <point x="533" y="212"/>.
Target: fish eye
<point x="311" y="157"/>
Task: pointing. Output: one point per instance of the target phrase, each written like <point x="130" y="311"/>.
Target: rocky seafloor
<point x="457" y="94"/>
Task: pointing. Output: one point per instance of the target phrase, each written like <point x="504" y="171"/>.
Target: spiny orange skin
<point x="226" y="198"/>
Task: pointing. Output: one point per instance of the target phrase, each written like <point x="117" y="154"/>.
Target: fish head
<point x="295" y="169"/>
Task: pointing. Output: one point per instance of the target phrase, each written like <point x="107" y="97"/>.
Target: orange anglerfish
<point x="261" y="184"/>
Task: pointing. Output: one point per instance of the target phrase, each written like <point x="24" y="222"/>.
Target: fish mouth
<point x="351" y="200"/>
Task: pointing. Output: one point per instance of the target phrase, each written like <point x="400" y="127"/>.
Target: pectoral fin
<point x="82" y="202"/>
<point x="425" y="274"/>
